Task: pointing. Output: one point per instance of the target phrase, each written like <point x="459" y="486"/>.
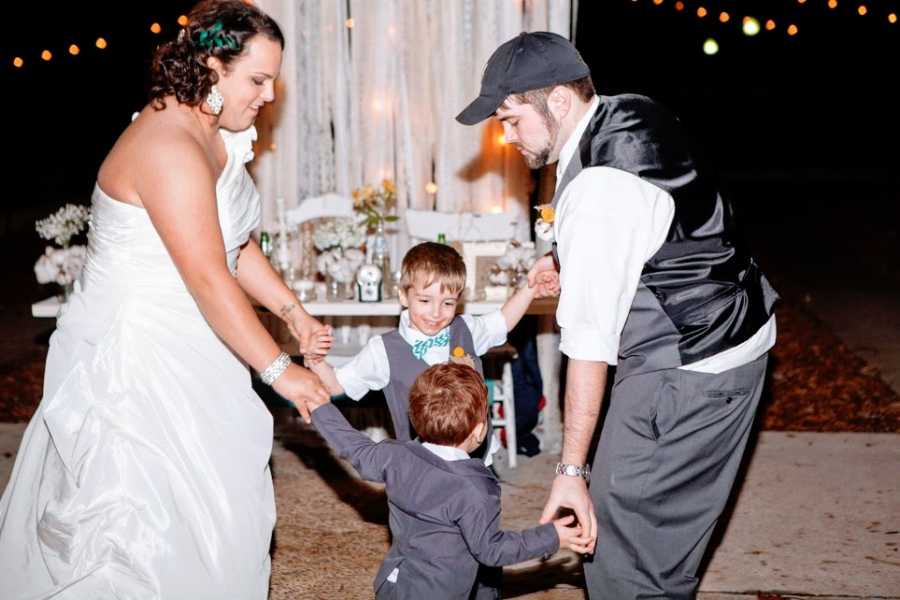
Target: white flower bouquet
<point x="60" y="265"/>
<point x="64" y="224"/>
<point x="511" y="268"/>
<point x="63" y="265"/>
<point x="339" y="242"/>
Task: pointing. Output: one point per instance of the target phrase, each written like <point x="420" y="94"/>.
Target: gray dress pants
<point x="666" y="461"/>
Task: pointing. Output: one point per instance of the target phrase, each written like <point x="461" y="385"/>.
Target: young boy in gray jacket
<point x="444" y="506"/>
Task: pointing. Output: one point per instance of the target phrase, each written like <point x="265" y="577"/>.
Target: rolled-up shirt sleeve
<point x="368" y="370"/>
<point x="487" y="330"/>
<point x="608" y="224"/>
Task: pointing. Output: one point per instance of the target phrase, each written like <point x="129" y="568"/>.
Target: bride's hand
<point x="305" y="330"/>
<point x="301" y="387"/>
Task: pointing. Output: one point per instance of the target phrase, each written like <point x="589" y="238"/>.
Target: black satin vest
<point x="701" y="293"/>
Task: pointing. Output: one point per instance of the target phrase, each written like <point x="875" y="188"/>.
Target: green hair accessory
<point x="214" y="37"/>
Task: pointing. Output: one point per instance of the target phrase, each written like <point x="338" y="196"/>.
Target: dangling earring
<point x="214" y="100"/>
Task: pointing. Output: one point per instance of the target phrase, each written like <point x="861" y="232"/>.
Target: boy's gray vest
<point x="405" y="367"/>
<point x="702" y="292"/>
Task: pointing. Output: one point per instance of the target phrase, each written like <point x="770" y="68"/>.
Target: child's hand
<point x="546" y="284"/>
<point x="571" y="535"/>
<point x="319" y="343"/>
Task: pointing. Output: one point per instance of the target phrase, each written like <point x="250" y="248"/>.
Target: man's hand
<point x="544" y="263"/>
<point x="546" y="284"/>
<point x="571" y="535"/>
<point x="572" y="492"/>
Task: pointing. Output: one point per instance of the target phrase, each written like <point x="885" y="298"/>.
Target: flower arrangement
<point x="543" y="226"/>
<point x="339" y="241"/>
<point x="62" y="265"/>
<point x="64" y="224"/>
<point x="372" y="203"/>
<point x="513" y="266"/>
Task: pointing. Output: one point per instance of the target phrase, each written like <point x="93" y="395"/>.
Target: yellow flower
<point x="547" y="212"/>
<point x="388" y="186"/>
<point x="458" y="352"/>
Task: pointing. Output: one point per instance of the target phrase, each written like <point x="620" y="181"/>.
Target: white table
<point x="549" y="358"/>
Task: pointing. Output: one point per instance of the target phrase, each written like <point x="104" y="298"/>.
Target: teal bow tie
<point x="422" y="346"/>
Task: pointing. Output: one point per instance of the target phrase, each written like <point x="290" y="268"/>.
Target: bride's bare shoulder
<point x="156" y="144"/>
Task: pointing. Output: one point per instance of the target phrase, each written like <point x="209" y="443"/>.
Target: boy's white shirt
<point x="370" y="369"/>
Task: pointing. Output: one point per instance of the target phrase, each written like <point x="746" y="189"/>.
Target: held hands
<point x="546" y="284"/>
<point x="314" y="338"/>
<point x="543" y="278"/>
<point x="302" y="388"/>
<point x="571" y="535"/>
<point x="571" y="492"/>
<point x="319" y="344"/>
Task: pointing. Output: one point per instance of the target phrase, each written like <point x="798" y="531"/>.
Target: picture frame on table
<point x="479" y="258"/>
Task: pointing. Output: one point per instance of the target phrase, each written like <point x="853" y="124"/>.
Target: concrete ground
<point x="817" y="514"/>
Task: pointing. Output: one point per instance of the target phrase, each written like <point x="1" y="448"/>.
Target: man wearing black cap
<point x="654" y="281"/>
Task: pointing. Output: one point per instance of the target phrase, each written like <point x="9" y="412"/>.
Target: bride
<point x="144" y="472"/>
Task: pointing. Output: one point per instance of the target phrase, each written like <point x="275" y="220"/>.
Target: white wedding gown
<point x="144" y="472"/>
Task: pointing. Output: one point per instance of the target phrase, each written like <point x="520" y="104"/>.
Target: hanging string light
<point x="100" y="43"/>
<point x="74" y="50"/>
<point x="751" y="25"/>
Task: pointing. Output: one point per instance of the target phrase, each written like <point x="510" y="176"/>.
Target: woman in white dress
<point x="144" y="472"/>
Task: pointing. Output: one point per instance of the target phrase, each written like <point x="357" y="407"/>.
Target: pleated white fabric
<point x="145" y="470"/>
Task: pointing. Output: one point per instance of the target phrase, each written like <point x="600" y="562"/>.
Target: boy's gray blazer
<point x="444" y="515"/>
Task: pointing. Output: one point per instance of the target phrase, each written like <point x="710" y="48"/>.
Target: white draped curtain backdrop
<point x="369" y="90"/>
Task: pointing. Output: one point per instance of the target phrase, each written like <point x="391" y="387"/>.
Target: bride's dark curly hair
<point x="219" y="28"/>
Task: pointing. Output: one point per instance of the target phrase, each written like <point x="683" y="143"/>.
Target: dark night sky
<point x="815" y="106"/>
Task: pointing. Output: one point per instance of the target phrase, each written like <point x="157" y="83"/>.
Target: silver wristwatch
<point x="574" y="471"/>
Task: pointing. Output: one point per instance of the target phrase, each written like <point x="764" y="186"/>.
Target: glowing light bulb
<point x="18" y="62"/>
<point x="74" y="50"/>
<point x="183" y="20"/>
<point x="792" y="30"/>
<point x="724" y="17"/>
<point x="431" y="187"/>
<point x="862" y="10"/>
<point x="349" y="23"/>
<point x="701" y="12"/>
<point x="751" y="26"/>
<point x="501" y="139"/>
<point x="710" y="47"/>
<point x="46" y="55"/>
<point x="770" y="25"/>
<point x="100" y="43"/>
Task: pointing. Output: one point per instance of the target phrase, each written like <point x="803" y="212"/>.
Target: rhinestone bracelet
<point x="275" y="368"/>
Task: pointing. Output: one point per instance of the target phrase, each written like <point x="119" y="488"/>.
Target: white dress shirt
<point x="608" y="224"/>
<point x="370" y="369"/>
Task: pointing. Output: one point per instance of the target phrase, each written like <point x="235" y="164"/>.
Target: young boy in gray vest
<point x="432" y="278"/>
<point x="444" y="506"/>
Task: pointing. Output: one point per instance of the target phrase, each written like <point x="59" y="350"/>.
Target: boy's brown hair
<point x="446" y="402"/>
<point x="428" y="262"/>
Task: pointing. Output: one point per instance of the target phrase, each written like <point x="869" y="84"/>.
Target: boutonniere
<point x="459" y="356"/>
<point x="543" y="227"/>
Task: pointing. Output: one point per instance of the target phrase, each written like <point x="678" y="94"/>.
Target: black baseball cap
<point x="529" y="61"/>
